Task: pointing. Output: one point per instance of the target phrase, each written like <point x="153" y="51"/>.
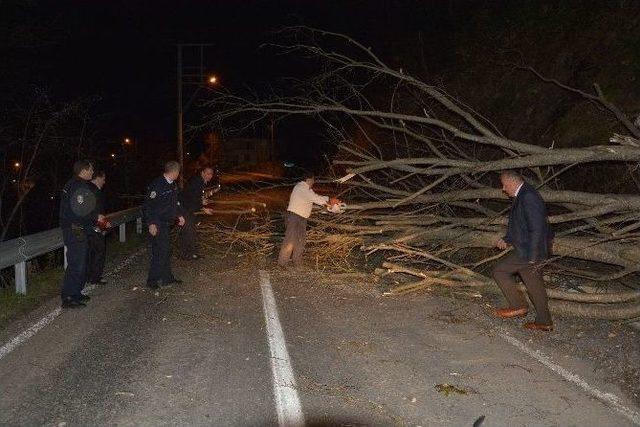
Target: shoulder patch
<point x="152" y="195"/>
<point x="80" y="199"/>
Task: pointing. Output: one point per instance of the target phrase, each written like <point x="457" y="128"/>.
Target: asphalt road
<point x="198" y="354"/>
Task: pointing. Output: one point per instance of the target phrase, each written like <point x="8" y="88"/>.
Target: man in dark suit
<point x="191" y="201"/>
<point x="95" y="236"/>
<point x="529" y="234"/>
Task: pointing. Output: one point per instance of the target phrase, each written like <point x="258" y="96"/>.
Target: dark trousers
<point x="75" y="240"/>
<point x="160" y="269"/>
<point x="295" y="238"/>
<point x="188" y="237"/>
<point x="504" y="274"/>
<point x="96" y="256"/>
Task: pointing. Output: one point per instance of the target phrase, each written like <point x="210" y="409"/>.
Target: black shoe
<point x="72" y="303"/>
<point x="84" y="298"/>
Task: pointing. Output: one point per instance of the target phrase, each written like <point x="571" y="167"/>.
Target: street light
<point x="213" y="80"/>
<point x="127" y="141"/>
<point x="16" y="165"/>
<point x="113" y="156"/>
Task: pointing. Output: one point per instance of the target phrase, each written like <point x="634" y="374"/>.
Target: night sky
<point x="124" y="51"/>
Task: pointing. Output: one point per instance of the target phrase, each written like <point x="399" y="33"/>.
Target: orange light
<point x="127" y="140"/>
<point x="213" y="80"/>
<point x="16" y="165"/>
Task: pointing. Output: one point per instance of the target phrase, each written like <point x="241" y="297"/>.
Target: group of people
<point x="84" y="225"/>
<point x="528" y="235"/>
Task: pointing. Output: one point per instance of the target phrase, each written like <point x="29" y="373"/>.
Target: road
<point x="200" y="354"/>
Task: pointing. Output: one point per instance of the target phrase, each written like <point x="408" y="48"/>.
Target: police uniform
<point x="77" y="216"/>
<point x="161" y="207"/>
<point x="191" y="201"/>
<point x="96" y="240"/>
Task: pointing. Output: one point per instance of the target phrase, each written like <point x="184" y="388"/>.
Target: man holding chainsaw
<point x="191" y="201"/>
<point x="300" y="205"/>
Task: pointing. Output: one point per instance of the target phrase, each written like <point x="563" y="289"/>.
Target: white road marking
<point x="608" y="398"/>
<point x="288" y="404"/>
<point x="48" y="318"/>
<point x="31" y="331"/>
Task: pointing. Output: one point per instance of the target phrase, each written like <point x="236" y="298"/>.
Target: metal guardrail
<point x="17" y="252"/>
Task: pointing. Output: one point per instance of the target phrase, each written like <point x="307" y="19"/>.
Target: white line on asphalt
<point x="33" y="329"/>
<point x="284" y="383"/>
<point x="608" y="398"/>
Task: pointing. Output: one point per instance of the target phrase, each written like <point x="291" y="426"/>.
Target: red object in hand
<point x="103" y="224"/>
<point x="334" y="201"/>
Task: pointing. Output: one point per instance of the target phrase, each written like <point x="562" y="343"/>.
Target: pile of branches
<point x="258" y="235"/>
<point x="419" y="170"/>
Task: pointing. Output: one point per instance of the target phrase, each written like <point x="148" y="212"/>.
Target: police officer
<point x="77" y="215"/>
<point x="191" y="201"/>
<point x="161" y="209"/>
<point x="95" y="235"/>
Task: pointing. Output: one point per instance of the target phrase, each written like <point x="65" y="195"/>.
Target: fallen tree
<point x="419" y="169"/>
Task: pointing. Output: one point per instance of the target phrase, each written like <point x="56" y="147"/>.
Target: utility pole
<point x="180" y="136"/>
<point x="197" y="79"/>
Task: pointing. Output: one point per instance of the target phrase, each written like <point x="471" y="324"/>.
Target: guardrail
<point x="17" y="252"/>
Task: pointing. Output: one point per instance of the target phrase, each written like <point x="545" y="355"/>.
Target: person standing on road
<point x="301" y="203"/>
<point x="529" y="233"/>
<point x="77" y="216"/>
<point x="191" y="201"/>
<point x="161" y="210"/>
<point x="95" y="236"/>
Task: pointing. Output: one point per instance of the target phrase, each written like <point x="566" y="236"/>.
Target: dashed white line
<point x="288" y="405"/>
<point x="608" y="398"/>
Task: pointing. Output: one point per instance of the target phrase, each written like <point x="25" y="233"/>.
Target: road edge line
<point x="607" y="398"/>
<point x="24" y="336"/>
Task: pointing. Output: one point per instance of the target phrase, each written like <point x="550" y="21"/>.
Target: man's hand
<point x="207" y="211"/>
<point x="153" y="229"/>
<point x="334" y="201"/>
<point x="502" y="245"/>
<point x="181" y="221"/>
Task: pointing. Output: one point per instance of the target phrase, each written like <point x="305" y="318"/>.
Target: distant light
<point x="213" y="80"/>
<point x="127" y="140"/>
<point x="113" y="156"/>
<point x="51" y="197"/>
<point x="288" y="164"/>
<point x="16" y="165"/>
<point x="187" y="153"/>
<point x="15" y="180"/>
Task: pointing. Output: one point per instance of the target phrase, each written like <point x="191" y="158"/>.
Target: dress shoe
<point x="72" y="303"/>
<point x="539" y="326"/>
<point x="84" y="298"/>
<point x="509" y="313"/>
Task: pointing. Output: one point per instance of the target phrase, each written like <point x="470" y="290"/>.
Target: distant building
<point x="238" y="153"/>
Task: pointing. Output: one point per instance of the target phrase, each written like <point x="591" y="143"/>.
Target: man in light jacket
<point x="300" y="204"/>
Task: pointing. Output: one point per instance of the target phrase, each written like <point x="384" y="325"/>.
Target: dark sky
<point x="124" y="50"/>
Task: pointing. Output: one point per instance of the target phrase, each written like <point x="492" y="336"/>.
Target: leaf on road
<point x="448" y="389"/>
